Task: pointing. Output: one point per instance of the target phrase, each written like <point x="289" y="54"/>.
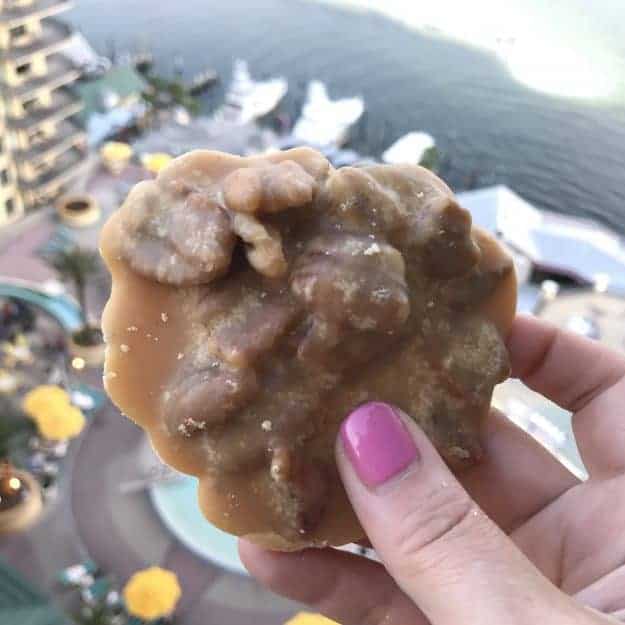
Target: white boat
<point x="410" y="148"/>
<point x="324" y="122"/>
<point x="247" y="99"/>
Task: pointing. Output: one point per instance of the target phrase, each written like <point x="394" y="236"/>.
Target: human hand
<point x="517" y="539"/>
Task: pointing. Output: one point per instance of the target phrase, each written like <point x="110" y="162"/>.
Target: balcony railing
<point x="64" y="105"/>
<point x="53" y="37"/>
<point x="67" y="136"/>
<point x="60" y="72"/>
<point x="18" y="15"/>
<point x="65" y="167"/>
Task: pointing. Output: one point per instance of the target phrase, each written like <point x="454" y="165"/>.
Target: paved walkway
<point x="19" y="243"/>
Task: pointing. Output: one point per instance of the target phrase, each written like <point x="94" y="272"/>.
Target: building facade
<point x="42" y="147"/>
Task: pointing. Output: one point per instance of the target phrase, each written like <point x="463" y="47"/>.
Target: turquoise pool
<point x="176" y="504"/>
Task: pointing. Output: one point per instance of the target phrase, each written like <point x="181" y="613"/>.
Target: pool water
<point x="176" y="504"/>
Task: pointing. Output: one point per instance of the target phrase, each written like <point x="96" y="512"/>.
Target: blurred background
<point x="518" y="104"/>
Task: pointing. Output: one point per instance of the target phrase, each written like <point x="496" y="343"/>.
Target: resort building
<point x="41" y="146"/>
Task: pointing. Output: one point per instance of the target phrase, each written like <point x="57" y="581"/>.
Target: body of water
<point x="564" y="154"/>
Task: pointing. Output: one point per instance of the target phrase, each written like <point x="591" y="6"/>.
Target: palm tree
<point x="164" y="93"/>
<point x="76" y="265"/>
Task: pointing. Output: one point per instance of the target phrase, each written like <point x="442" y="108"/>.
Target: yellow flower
<point x="43" y="399"/>
<point x="116" y="151"/>
<point x="152" y="593"/>
<point x="60" y="422"/>
<point x="156" y="161"/>
<point x="307" y="618"/>
<point x="50" y="408"/>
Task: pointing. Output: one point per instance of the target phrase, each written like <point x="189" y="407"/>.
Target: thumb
<point x="444" y="552"/>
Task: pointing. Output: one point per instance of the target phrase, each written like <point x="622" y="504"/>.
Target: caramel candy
<point x="257" y="301"/>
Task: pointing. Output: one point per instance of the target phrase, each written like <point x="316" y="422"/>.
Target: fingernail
<point x="377" y="443"/>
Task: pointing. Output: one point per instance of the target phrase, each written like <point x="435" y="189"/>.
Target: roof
<point x="122" y="80"/>
<point x="572" y="246"/>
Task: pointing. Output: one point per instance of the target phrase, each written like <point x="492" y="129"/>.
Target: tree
<point x="431" y="159"/>
<point x="76" y="265"/>
<point x="165" y="93"/>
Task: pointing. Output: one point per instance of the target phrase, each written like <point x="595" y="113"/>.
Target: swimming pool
<point x="176" y="504"/>
<point x="63" y="308"/>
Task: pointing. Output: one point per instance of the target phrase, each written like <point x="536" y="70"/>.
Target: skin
<point x="519" y="540"/>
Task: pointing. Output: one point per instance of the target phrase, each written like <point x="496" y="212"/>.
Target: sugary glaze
<point x="256" y="301"/>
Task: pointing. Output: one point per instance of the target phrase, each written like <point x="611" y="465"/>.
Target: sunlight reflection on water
<point x="545" y="49"/>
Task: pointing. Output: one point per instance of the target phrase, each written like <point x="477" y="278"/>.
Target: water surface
<point x="561" y="153"/>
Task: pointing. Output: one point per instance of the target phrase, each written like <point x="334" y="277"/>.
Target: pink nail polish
<point x="377" y="443"/>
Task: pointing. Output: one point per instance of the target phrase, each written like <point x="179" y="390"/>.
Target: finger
<point x="580" y="375"/>
<point x="436" y="543"/>
<point x="568" y="369"/>
<point x="345" y="587"/>
<point x="607" y="594"/>
<point x="517" y="477"/>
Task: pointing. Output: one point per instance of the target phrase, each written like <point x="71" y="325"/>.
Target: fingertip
<point x="279" y="571"/>
<point x="259" y="562"/>
<point x="528" y="340"/>
<point x="361" y="434"/>
<point x="248" y="550"/>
